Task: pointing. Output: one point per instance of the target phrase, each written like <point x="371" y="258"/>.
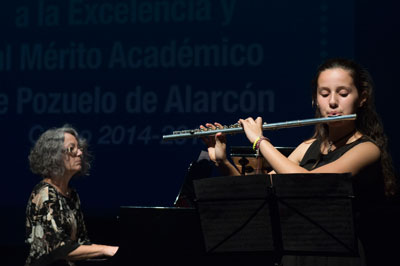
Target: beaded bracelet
<point x="257" y="142"/>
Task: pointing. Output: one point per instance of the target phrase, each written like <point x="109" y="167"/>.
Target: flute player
<point x="359" y="147"/>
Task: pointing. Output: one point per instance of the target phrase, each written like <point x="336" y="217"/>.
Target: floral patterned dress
<point x="54" y="225"/>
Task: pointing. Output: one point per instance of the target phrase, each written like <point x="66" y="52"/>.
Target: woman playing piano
<point x="56" y="232"/>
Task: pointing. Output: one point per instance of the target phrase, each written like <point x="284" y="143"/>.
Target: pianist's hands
<point x="110" y="251"/>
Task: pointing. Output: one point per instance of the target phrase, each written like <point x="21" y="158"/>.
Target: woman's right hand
<point x="93" y="251"/>
<point x="110" y="251"/>
<point x="216" y="144"/>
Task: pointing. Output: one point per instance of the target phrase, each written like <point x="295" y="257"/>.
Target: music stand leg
<point x="243" y="162"/>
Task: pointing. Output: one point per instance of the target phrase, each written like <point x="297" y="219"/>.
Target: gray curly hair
<point x="46" y="156"/>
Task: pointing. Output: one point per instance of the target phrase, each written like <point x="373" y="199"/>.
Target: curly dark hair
<point x="368" y="121"/>
<point x="46" y="156"/>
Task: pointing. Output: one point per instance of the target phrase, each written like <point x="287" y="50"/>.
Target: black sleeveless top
<point x="368" y="183"/>
<point x="368" y="191"/>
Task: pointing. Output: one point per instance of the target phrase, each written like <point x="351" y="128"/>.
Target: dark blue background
<point x="295" y="36"/>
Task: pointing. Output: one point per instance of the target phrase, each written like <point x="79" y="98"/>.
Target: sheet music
<point x="225" y="207"/>
<point x="221" y="219"/>
<point x="324" y="222"/>
<point x="333" y="215"/>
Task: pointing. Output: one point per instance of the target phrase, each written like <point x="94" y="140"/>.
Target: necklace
<point x="331" y="143"/>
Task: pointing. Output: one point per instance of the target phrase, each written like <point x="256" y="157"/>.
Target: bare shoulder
<point x="308" y="142"/>
<point x="369" y="144"/>
<point x="354" y="160"/>
<point x="366" y="149"/>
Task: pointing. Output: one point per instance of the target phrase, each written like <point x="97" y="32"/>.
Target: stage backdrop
<point x="125" y="73"/>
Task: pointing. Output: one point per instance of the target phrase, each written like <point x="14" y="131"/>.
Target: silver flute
<point x="237" y="128"/>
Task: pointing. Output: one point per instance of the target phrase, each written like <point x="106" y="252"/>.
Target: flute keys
<point x="236" y="125"/>
<point x="197" y="130"/>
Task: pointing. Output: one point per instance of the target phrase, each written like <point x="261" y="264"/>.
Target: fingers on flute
<point x="209" y="125"/>
<point x="218" y="125"/>
<point x="206" y="127"/>
<point x="242" y="121"/>
<point x="251" y="120"/>
<point x="206" y="140"/>
<point x="214" y="126"/>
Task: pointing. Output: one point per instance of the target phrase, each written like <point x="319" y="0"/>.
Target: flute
<point x="236" y="128"/>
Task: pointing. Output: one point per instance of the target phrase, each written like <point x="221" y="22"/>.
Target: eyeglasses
<point x="73" y="150"/>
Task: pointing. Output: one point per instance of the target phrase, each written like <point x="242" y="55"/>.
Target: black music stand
<point x="291" y="214"/>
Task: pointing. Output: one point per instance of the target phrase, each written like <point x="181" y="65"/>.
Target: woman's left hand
<point x="216" y="145"/>
<point x="252" y="128"/>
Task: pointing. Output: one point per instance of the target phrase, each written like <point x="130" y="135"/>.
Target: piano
<point x="167" y="236"/>
<point x="158" y="235"/>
